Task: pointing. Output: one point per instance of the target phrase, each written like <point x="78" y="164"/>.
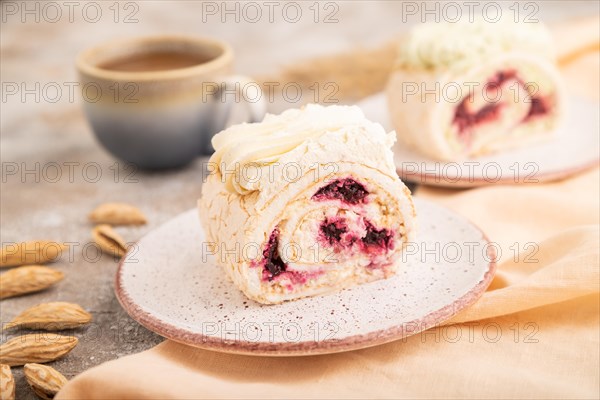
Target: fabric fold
<point x="561" y="268"/>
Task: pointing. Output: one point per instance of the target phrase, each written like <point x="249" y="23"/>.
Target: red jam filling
<point x="538" y="107"/>
<point x="465" y="119"/>
<point x="377" y="237"/>
<point x="333" y="231"/>
<point x="347" y="190"/>
<point x="273" y="264"/>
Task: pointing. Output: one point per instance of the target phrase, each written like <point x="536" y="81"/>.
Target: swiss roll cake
<point x="465" y="89"/>
<point x="305" y="203"/>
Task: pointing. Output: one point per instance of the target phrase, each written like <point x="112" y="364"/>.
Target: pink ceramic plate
<point x="166" y="285"/>
<point x="572" y="148"/>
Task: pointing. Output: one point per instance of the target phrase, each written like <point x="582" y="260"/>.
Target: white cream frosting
<point x="242" y="152"/>
<point x="448" y="45"/>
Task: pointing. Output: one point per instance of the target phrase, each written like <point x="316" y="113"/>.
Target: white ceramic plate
<point x="165" y="285"/>
<point x="573" y="148"/>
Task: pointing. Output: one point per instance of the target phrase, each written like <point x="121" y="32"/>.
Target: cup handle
<point x="239" y="85"/>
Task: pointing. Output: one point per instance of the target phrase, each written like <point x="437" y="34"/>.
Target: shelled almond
<point x="45" y="381"/>
<point x="7" y="383"/>
<point x="27" y="279"/>
<point x="33" y="252"/>
<point x="55" y="316"/>
<point x="109" y="240"/>
<point x="35" y="348"/>
<point x="117" y="214"/>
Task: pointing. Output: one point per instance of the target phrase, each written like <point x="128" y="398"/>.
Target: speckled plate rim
<point x="440" y="180"/>
<point x="306" y="348"/>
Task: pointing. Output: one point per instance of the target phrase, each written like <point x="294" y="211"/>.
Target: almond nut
<point x="109" y="240"/>
<point x="45" y="381"/>
<point x="34" y="252"/>
<point x="117" y="214"/>
<point x="36" y="348"/>
<point x="27" y="279"/>
<point x="54" y="316"/>
<point x="7" y="383"/>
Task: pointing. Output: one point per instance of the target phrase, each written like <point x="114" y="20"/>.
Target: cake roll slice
<point x="305" y="203"/>
<point x="461" y="90"/>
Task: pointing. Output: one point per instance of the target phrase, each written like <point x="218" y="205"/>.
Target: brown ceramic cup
<point x="162" y="114"/>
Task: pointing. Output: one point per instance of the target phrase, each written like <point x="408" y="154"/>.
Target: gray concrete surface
<point x="40" y="131"/>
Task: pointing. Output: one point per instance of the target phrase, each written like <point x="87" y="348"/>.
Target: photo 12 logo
<point x="469" y="171"/>
<point x="469" y="11"/>
<point x="68" y="172"/>
<point x="70" y="11"/>
<point x="68" y="92"/>
<point x="271" y="92"/>
<point x="270" y="11"/>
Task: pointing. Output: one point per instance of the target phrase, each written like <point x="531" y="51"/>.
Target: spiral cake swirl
<point x="305" y="203"/>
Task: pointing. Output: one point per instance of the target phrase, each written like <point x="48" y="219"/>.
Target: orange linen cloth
<point x="533" y="334"/>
